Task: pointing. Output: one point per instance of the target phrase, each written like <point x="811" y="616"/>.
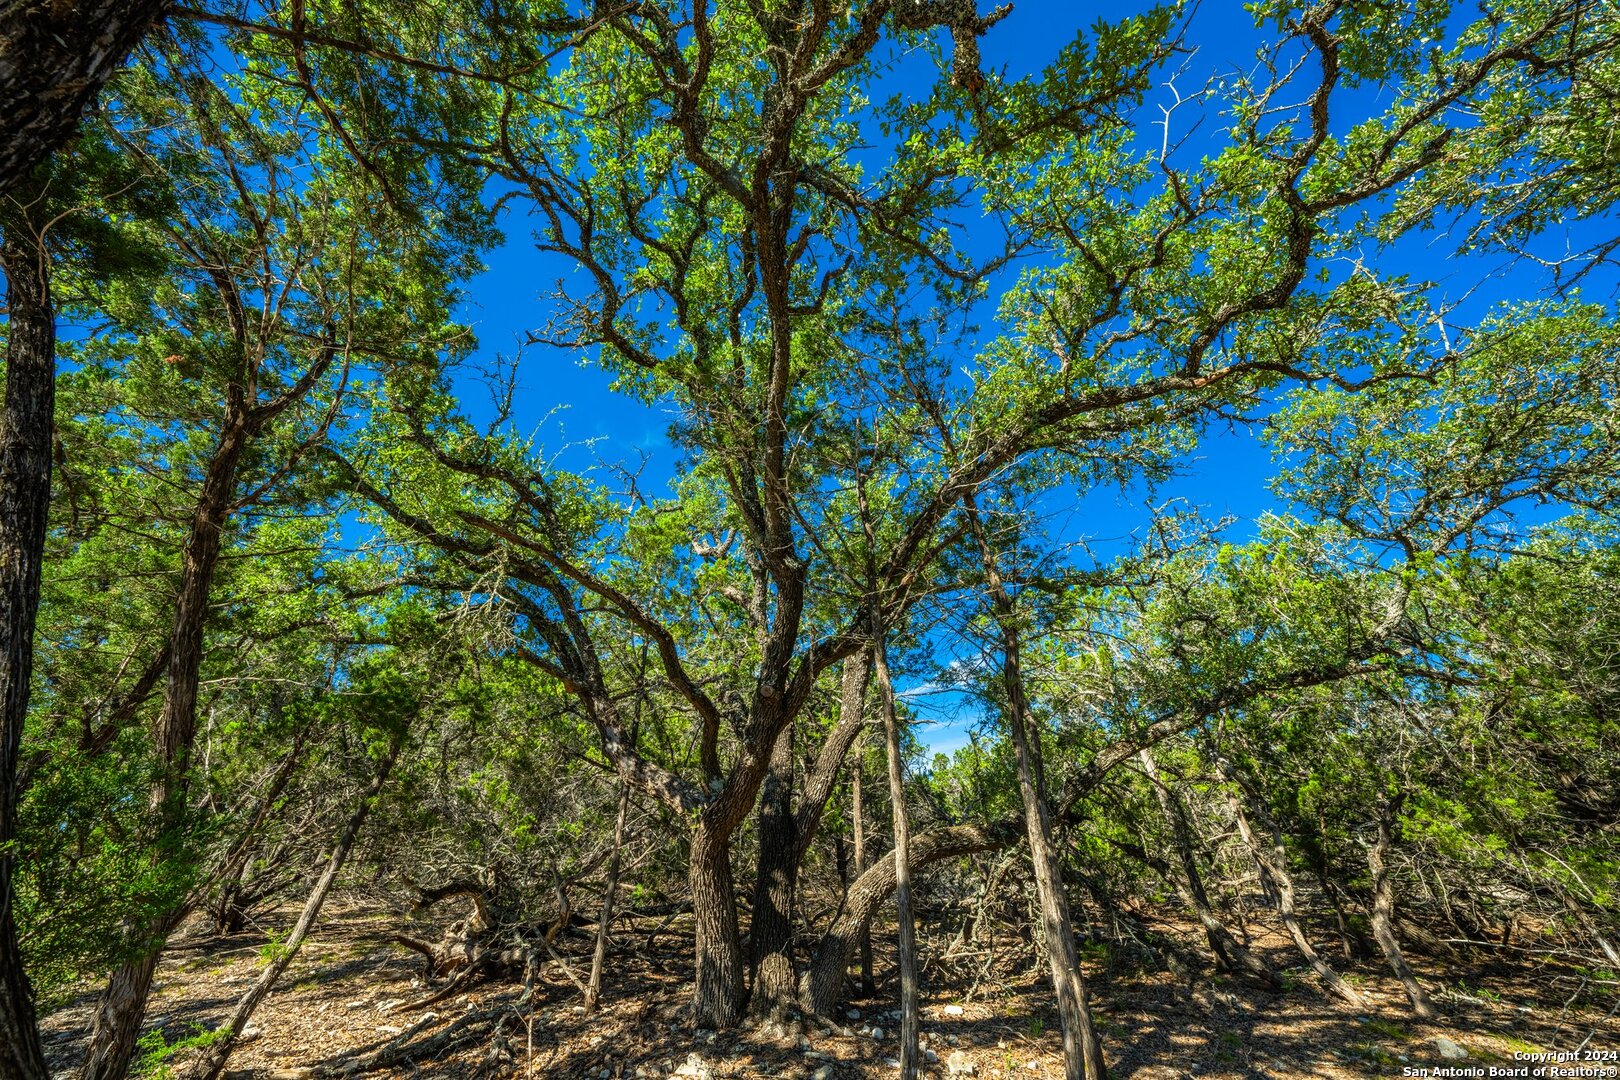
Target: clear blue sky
<point x="567" y="400"/>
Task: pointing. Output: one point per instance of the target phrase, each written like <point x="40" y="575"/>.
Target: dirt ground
<point x="350" y="991"/>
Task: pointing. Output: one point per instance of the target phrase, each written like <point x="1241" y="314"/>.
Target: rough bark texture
<point x="1383" y="911"/>
<point x="54" y="59"/>
<point x="784" y="839"/>
<point x="770" y="931"/>
<point x="25" y="493"/>
<point x="909" y="988"/>
<point x="212" y="1062"/>
<point x="717" y="992"/>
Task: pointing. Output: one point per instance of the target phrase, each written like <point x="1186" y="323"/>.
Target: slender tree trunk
<point x="25" y="494"/>
<point x="902" y="871"/>
<point x="1082" y="1053"/>
<point x="118" y="1014"/>
<point x="858" y="810"/>
<point x="593" y="988"/>
<point x="770" y="930"/>
<point x="1383" y="911"/>
<point x="1273" y="867"/>
<point x="212" y="1062"/>
<point x="1230" y="955"/>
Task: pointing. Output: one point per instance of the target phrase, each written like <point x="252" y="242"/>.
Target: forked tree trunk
<point x="1082" y="1053"/>
<point x="25" y="494"/>
<point x="1273" y="867"/>
<point x="593" y="987"/>
<point x="902" y="870"/>
<point x="1383" y="910"/>
<point x="213" y="1059"/>
<point x="1230" y="955"/>
<point x="785" y="836"/>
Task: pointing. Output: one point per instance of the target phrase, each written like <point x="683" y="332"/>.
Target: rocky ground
<point x="352" y="1002"/>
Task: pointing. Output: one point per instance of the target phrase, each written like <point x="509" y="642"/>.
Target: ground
<point x="352" y="994"/>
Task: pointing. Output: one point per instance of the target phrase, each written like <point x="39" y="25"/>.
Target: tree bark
<point x="25" y="495"/>
<point x="54" y="60"/>
<point x="770" y="930"/>
<point x="785" y="837"/>
<point x="717" y="992"/>
<point x="1383" y="910"/>
<point x="1274" y="877"/>
<point x="909" y="1052"/>
<point x="1230" y="955"/>
<point x="593" y="988"/>
<point x="212" y="1062"/>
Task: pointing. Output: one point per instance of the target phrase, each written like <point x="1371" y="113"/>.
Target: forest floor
<point x="347" y="995"/>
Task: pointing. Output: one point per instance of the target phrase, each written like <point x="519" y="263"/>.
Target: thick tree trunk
<point x="909" y="1053"/>
<point x="1230" y="955"/>
<point x="25" y="494"/>
<point x="1082" y="1053"/>
<point x="1274" y="876"/>
<point x="717" y="993"/>
<point x="54" y="60"/>
<point x="1383" y="911"/>
<point x="212" y="1062"/>
<point x="593" y="988"/>
<point x="770" y="930"/>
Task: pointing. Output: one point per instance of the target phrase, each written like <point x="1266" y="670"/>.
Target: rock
<point x="930" y="1057"/>
<point x="696" y="1068"/>
<point x="848" y="1033"/>
<point x="959" y="1064"/>
<point x="1032" y="1065"/>
<point x="877" y="1034"/>
<point x="606" y="1074"/>
<point x="853" y="1014"/>
<point x="954" y="1010"/>
<point x="1448" y="1049"/>
<point x="250" y="1033"/>
<point x="826" y="1072"/>
<point x="893" y="1063"/>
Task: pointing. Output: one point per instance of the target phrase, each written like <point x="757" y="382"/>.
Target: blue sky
<point x="567" y="402"/>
